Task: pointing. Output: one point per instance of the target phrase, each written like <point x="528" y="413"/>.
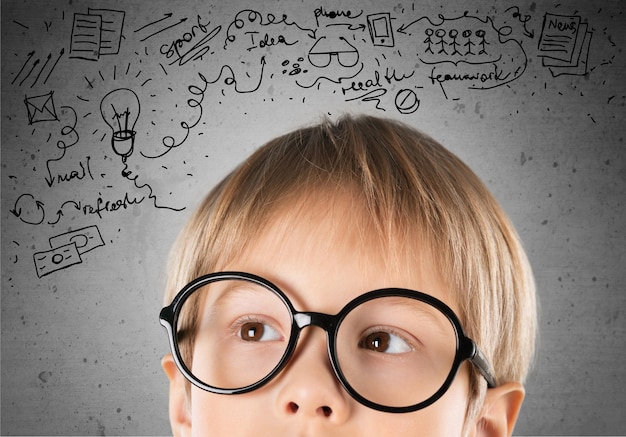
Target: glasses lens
<point x="320" y="60"/>
<point x="348" y="58"/>
<point x="396" y="351"/>
<point x="240" y="333"/>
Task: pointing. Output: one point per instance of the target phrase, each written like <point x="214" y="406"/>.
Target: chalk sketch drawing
<point x="406" y="101"/>
<point x="66" y="250"/>
<point x="467" y="51"/>
<point x="36" y="62"/>
<point x="379" y="58"/>
<point x="56" y="259"/>
<point x="120" y="110"/>
<point x="564" y="45"/>
<point x="29" y="209"/>
<point x="41" y="108"/>
<point x="99" y="32"/>
<point x="380" y="29"/>
<point x="323" y="52"/>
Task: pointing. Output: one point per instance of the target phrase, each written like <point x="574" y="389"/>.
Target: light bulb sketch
<point x="120" y="110"/>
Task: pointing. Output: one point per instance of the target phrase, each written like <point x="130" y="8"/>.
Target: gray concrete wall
<point x="86" y="227"/>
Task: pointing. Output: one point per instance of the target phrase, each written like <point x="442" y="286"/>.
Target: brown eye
<point x="258" y="331"/>
<point x="385" y="342"/>
<point x="377" y="341"/>
<point x="252" y="331"/>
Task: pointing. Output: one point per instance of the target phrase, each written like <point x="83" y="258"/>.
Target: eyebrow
<point x="432" y="313"/>
<point x="234" y="291"/>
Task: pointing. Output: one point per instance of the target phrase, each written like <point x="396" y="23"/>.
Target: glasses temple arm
<point x="480" y="361"/>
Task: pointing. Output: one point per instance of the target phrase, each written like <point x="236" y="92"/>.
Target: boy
<point x="292" y="243"/>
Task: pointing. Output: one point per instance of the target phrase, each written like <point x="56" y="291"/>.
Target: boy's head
<point x="335" y="210"/>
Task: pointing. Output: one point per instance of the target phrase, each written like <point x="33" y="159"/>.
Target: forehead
<point x="324" y="249"/>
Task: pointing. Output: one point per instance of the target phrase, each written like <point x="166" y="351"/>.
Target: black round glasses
<point x="393" y="349"/>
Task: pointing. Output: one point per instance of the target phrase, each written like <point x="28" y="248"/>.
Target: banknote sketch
<point x="66" y="250"/>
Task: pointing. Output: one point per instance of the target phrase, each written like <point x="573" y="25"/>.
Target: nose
<point x="308" y="385"/>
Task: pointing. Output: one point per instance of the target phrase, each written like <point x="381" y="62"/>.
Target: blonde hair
<point x="411" y="187"/>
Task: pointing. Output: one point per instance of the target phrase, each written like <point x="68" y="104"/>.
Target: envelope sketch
<point x="41" y="108"/>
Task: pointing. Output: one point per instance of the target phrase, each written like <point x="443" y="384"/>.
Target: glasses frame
<point x="330" y="55"/>
<point x="466" y="348"/>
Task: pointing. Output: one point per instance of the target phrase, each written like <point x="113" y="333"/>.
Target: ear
<point x="500" y="410"/>
<point x="180" y="416"/>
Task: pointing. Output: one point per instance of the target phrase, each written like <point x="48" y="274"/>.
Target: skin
<point x="322" y="263"/>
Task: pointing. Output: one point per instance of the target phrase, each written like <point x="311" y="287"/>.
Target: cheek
<point x="444" y="418"/>
<point x="227" y="415"/>
<point x="450" y="411"/>
<point x="210" y="414"/>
